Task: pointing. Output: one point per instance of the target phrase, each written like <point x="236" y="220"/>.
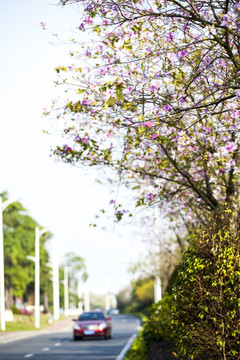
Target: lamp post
<point x="107" y="294"/>
<point x="3" y="206"/>
<point x="86" y="297"/>
<point x="54" y="266"/>
<point x="66" y="302"/>
<point x="36" y="260"/>
<point x="55" y="272"/>
<point x="80" y="293"/>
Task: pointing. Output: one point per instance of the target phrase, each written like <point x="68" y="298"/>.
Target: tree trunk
<point x="8" y="292"/>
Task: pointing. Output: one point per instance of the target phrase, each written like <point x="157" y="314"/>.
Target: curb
<point x="122" y="354"/>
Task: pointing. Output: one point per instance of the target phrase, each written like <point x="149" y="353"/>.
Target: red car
<point x="92" y="323"/>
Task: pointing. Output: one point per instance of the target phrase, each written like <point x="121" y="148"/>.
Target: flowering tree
<point x="157" y="98"/>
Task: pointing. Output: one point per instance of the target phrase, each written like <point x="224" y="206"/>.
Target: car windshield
<point x="92" y="316"/>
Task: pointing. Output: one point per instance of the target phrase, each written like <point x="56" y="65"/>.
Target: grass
<point x="27" y="322"/>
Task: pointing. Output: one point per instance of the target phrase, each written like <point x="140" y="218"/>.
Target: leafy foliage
<point x="206" y="314"/>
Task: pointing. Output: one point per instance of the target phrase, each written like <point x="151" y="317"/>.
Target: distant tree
<point x="124" y="299"/>
<point x="19" y="241"/>
<point x="141" y="296"/>
<point x="77" y="273"/>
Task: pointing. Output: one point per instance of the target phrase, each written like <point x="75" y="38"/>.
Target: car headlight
<point x="77" y="327"/>
<point x="102" y="326"/>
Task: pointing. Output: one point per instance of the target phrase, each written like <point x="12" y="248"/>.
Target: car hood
<point x="90" y="322"/>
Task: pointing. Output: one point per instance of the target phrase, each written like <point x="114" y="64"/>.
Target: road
<point x="60" y="345"/>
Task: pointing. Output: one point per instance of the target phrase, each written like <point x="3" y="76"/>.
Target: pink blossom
<point x="149" y="124"/>
<point x="88" y="20"/>
<point x="231" y="147"/>
<point x="43" y="25"/>
<point x="102" y="71"/>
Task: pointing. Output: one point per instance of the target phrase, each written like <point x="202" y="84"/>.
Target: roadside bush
<point x="15" y="310"/>
<point x="206" y="312"/>
<point x="158" y="327"/>
<point x="138" y="350"/>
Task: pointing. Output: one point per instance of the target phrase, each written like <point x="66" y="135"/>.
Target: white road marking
<point x="28" y="355"/>
<point x="57" y="344"/>
<point x="126" y="347"/>
<point x="45" y="349"/>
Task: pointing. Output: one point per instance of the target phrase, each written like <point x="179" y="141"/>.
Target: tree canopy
<point x="156" y="97"/>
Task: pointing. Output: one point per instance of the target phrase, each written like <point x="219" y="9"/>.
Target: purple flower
<point x="170" y="37"/>
<point x="77" y="138"/>
<point x="150" y="197"/>
<point x="168" y="107"/>
<point x="182" y="54"/>
<point x="66" y="148"/>
<point x="104" y="11"/>
<point x="183" y="99"/>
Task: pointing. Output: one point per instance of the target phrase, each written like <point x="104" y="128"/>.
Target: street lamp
<point x="107" y="294"/>
<point x="3" y="206"/>
<point x="66" y="302"/>
<point x="80" y="293"/>
<point x="86" y="297"/>
<point x="35" y="259"/>
<point x="54" y="266"/>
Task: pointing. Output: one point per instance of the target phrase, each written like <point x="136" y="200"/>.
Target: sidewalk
<point x="64" y="325"/>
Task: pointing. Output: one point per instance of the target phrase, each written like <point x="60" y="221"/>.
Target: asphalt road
<point x="60" y="345"/>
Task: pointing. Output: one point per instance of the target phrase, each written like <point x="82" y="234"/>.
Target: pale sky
<point x="58" y="196"/>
